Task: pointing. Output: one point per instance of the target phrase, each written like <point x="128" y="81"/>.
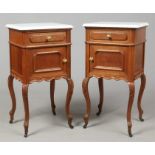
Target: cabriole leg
<point x="52" y="89"/>
<point x="26" y="107"/>
<point x="100" y="84"/>
<point x="88" y="104"/>
<point x="68" y="101"/>
<point x="130" y="103"/>
<point x="13" y="97"/>
<point x="141" y="91"/>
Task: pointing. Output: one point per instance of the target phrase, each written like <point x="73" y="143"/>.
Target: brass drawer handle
<point x="64" y="60"/>
<point x="91" y="59"/>
<point x="109" y="36"/>
<point x="49" y="38"/>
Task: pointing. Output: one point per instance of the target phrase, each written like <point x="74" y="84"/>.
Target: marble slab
<point x="117" y="24"/>
<point x="38" y="26"/>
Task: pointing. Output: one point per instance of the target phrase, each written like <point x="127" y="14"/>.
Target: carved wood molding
<point x="40" y="79"/>
<point x="115" y="68"/>
<point x="139" y="75"/>
<point x="36" y="70"/>
<point x="108" y="77"/>
<point x="118" y="44"/>
<point x="39" y="46"/>
<point x="16" y="76"/>
<point x="44" y="78"/>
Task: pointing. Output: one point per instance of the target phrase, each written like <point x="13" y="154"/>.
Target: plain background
<point x="111" y="125"/>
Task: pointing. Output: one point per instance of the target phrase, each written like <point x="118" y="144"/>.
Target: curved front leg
<point x="88" y="104"/>
<point x="100" y="84"/>
<point x="26" y="107"/>
<point x="130" y="103"/>
<point x="68" y="101"/>
<point x="142" y="87"/>
<point x="52" y="89"/>
<point x="13" y="97"/>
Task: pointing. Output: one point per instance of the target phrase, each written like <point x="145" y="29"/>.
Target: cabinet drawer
<point x="108" y="59"/>
<point x="47" y="37"/>
<point x="113" y="36"/>
<point x="48" y="61"/>
<point x="109" y="35"/>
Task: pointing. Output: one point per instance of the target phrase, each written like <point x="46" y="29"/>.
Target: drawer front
<point x="112" y="36"/>
<point x="48" y="62"/>
<point x="108" y="60"/>
<point x="46" y="38"/>
<point x="109" y="35"/>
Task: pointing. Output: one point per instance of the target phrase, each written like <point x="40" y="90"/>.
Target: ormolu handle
<point x="49" y="38"/>
<point x="91" y="59"/>
<point x="64" y="60"/>
<point x="109" y="36"/>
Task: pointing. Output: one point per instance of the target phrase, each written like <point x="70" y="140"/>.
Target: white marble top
<point x="38" y="26"/>
<point x="117" y="24"/>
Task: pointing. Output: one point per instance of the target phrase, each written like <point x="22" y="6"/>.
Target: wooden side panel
<point x="87" y="55"/>
<point x="16" y="59"/>
<point x="139" y="59"/>
<point x="16" y="37"/>
<point x="68" y="52"/>
<point x="140" y="35"/>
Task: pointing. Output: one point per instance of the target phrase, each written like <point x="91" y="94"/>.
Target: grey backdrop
<point x="111" y="125"/>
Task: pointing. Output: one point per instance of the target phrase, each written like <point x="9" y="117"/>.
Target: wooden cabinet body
<point x="115" y="52"/>
<point x="38" y="54"/>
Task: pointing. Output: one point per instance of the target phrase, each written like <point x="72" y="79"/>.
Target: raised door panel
<point x="108" y="61"/>
<point x="48" y="62"/>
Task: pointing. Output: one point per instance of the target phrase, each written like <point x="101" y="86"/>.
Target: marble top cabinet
<point x="39" y="52"/>
<point x="115" y="50"/>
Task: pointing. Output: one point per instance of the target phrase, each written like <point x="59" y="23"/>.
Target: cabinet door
<point x="48" y="62"/>
<point x="110" y="61"/>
